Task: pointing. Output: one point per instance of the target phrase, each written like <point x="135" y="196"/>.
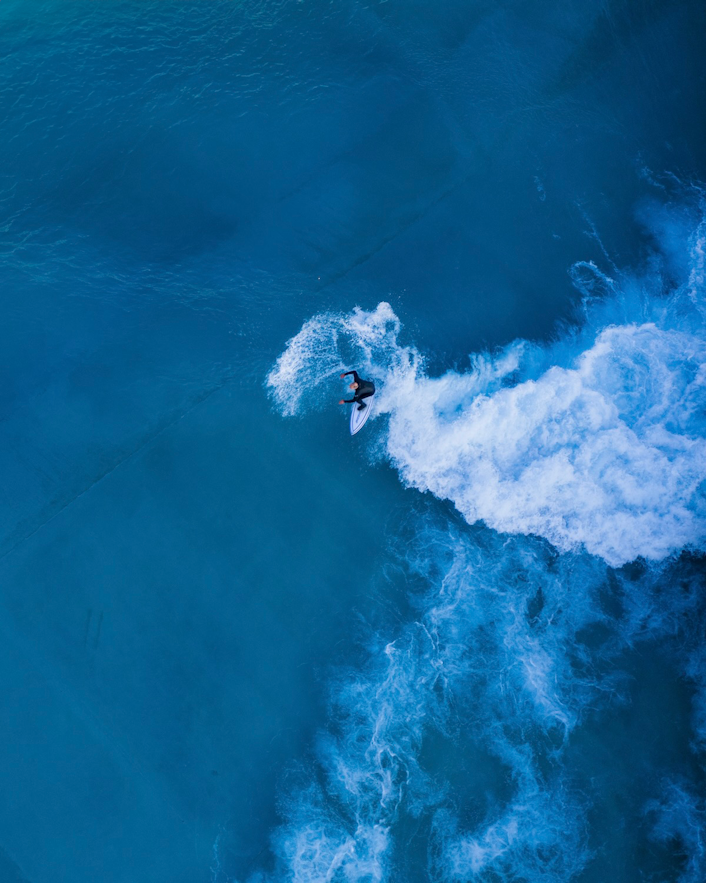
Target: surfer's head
<point x="353" y="385"/>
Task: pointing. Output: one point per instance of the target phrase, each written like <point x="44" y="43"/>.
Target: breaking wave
<point x="596" y="441"/>
<point x="582" y="456"/>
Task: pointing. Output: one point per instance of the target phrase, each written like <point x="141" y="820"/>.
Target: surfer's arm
<point x="348" y="401"/>
<point x="359" y="396"/>
<point x="354" y="373"/>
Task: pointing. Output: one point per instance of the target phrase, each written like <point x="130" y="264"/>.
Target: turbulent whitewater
<point x="581" y="456"/>
<point x="594" y="442"/>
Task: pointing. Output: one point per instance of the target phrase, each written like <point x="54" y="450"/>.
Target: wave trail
<point x="681" y="816"/>
<point x="596" y="441"/>
<point x="461" y="669"/>
<point x="513" y="649"/>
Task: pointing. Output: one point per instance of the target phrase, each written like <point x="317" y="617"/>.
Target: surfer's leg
<point x="362" y="406"/>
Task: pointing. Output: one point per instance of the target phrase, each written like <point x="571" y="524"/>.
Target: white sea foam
<point x="595" y="443"/>
<point x="501" y="658"/>
<point x="680" y="815"/>
<point x="603" y="448"/>
<point x="603" y="455"/>
<point x="496" y="651"/>
<point x="538" y="838"/>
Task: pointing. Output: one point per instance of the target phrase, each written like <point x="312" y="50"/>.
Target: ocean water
<point x="240" y="646"/>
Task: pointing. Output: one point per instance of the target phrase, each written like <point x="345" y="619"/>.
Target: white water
<point x="595" y="443"/>
<point x="603" y="450"/>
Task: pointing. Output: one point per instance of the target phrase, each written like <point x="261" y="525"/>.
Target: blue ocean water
<point x="466" y="645"/>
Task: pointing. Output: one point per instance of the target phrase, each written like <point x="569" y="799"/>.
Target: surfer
<point x="363" y="389"/>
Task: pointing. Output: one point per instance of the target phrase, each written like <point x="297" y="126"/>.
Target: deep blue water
<point x="238" y="645"/>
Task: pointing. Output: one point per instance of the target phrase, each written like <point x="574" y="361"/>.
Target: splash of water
<point x="603" y="449"/>
<point x="594" y="443"/>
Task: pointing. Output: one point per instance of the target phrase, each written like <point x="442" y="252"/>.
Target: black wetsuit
<point x="365" y="388"/>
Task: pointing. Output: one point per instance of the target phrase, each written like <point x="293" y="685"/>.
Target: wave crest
<point x="595" y="441"/>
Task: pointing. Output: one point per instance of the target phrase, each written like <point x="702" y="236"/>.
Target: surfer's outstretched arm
<point x="356" y="379"/>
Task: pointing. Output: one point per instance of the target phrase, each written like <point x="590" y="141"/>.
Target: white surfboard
<point x="358" y="418"/>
